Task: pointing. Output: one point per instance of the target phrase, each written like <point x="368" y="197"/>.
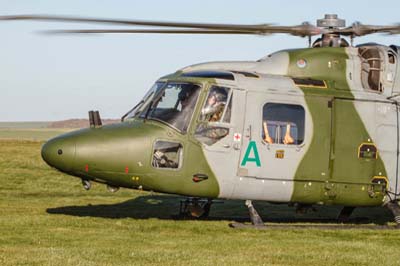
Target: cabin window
<point x="167" y="154"/>
<point x="216" y="111"/>
<point x="371" y="68"/>
<point x="283" y="124"/>
<point x="392" y="58"/>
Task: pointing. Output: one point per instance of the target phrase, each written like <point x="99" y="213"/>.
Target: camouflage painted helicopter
<point x="318" y="125"/>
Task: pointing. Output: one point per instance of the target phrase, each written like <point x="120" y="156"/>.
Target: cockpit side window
<point x="228" y="111"/>
<point x="215" y="104"/>
<point x="283" y="124"/>
<point x="215" y="113"/>
<point x="167" y="154"/>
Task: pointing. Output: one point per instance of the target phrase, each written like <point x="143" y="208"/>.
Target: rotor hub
<point x="331" y="21"/>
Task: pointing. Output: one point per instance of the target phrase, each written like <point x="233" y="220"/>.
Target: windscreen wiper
<point x="125" y="115"/>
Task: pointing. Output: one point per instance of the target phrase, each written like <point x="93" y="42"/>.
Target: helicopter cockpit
<point x="173" y="103"/>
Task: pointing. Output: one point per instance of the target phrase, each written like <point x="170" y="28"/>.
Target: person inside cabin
<point x="212" y="112"/>
<point x="215" y="105"/>
<point x="267" y="137"/>
<point x="184" y="98"/>
<point x="287" y="139"/>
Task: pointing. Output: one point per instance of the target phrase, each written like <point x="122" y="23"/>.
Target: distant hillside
<point x="78" y="123"/>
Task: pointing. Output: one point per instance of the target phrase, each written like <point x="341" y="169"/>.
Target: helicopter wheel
<point x="195" y="208"/>
<point x="344" y="215"/>
<point x="394" y="207"/>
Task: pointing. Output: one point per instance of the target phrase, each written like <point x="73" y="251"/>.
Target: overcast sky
<point x="59" y="77"/>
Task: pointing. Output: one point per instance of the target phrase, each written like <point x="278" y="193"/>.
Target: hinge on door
<point x="330" y="104"/>
<point x="248" y="132"/>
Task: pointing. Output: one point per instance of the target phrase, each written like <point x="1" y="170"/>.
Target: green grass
<point x="46" y="218"/>
<point x="30" y="133"/>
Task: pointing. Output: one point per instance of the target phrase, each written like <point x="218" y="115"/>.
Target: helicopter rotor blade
<point x="302" y="30"/>
<point x="359" y="29"/>
<point x="133" y="22"/>
<point x="154" y="31"/>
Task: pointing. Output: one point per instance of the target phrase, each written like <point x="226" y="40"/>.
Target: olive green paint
<point x="323" y="63"/>
<point x="331" y="171"/>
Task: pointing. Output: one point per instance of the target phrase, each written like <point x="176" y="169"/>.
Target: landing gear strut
<point x="255" y="218"/>
<point x="394" y="207"/>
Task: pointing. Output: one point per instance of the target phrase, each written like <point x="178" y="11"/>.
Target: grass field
<point x="26" y="125"/>
<point x="30" y="133"/>
<point x="46" y="218"/>
<point x="36" y="131"/>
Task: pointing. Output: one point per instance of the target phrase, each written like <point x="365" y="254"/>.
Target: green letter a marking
<point x="251" y="147"/>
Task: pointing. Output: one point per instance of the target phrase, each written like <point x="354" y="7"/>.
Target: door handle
<point x="226" y="146"/>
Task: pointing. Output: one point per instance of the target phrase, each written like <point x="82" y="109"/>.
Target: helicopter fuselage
<point x="310" y="126"/>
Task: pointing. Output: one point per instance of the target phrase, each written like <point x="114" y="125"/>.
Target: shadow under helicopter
<point x="167" y="207"/>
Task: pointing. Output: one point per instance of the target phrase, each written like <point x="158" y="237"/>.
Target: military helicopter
<point x="316" y="125"/>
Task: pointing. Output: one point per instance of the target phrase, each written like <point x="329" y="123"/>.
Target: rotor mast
<point x="331" y="24"/>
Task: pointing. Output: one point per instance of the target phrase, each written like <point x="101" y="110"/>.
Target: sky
<point x="49" y="78"/>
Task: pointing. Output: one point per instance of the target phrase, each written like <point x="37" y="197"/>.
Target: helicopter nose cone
<point x="59" y="153"/>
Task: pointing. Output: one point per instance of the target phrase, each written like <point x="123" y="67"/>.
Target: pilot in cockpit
<point x="215" y="105"/>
